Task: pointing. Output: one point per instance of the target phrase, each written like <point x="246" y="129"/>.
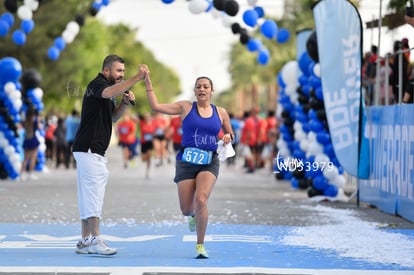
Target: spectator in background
<point x="147" y="129"/>
<point x="72" y="124"/>
<point x="161" y="124"/>
<point x="126" y="130"/>
<point x="236" y="126"/>
<point x="51" y="124"/>
<point x="395" y="77"/>
<point x="31" y="125"/>
<point x="271" y="137"/>
<point x="385" y="72"/>
<point x="177" y="133"/>
<point x="371" y="73"/>
<point x="249" y="139"/>
<point x="60" y="142"/>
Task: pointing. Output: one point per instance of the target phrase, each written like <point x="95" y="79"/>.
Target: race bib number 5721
<point x="197" y="156"/>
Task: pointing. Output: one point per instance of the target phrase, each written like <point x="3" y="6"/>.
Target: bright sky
<point x="199" y="44"/>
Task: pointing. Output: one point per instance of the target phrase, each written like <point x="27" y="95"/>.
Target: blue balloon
<point x="319" y="93"/>
<point x="167" y="1"/>
<point x="8" y="17"/>
<point x="97" y="6"/>
<point x="283" y="35"/>
<point x="10" y="69"/>
<point x="305" y="127"/>
<point x="253" y="45"/>
<point x="331" y="191"/>
<point x="4" y="28"/>
<point x="303" y="80"/>
<point x="315" y="125"/>
<point x="320" y="183"/>
<point x="250" y="18"/>
<point x="329" y="151"/>
<point x="304" y="62"/>
<point x="27" y="25"/>
<point x="294" y="183"/>
<point x="315" y="82"/>
<point x="269" y="28"/>
<point x="105" y="2"/>
<point x="60" y="43"/>
<point x="53" y="53"/>
<point x="263" y="57"/>
<point x="19" y="37"/>
<point x="306" y="89"/>
<point x="301" y="116"/>
<point x="323" y="137"/>
<point x="260" y="11"/>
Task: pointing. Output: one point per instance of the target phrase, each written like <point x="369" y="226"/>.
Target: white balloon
<point x="24" y="12"/>
<point x="284" y="152"/>
<point x="317" y="70"/>
<point x="312" y="136"/>
<point x="339" y="180"/>
<point x="280" y="142"/>
<point x="227" y="21"/>
<point x="290" y="90"/>
<point x="73" y="27"/>
<point x="330" y="172"/>
<point x="300" y="135"/>
<point x="304" y="145"/>
<point x="198" y="6"/>
<point x="9" y="150"/>
<point x="17" y="165"/>
<point x="3" y="142"/>
<point x="289" y="73"/>
<point x="33" y="4"/>
<point x="15" y="158"/>
<point x="322" y="158"/>
<point x="10" y="87"/>
<point x="294" y="98"/>
<point x="216" y="13"/>
<point x="297" y="125"/>
<point x="18" y="103"/>
<point x="68" y="36"/>
<point x="38" y="92"/>
<point x="315" y="148"/>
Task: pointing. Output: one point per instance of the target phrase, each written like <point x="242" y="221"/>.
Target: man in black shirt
<point x="99" y="111"/>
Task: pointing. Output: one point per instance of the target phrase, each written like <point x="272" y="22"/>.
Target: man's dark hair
<point x="107" y="63"/>
<point x="374" y="49"/>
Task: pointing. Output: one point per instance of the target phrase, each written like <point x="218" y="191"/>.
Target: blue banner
<point x="339" y="39"/>
<point x="391" y="183"/>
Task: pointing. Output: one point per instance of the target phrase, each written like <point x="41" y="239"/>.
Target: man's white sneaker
<point x="98" y="246"/>
<point x="81" y="248"/>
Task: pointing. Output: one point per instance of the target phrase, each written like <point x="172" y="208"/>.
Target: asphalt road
<point x="248" y="216"/>
<point x="238" y="198"/>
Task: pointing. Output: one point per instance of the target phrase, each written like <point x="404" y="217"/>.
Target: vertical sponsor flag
<point x="301" y="38"/>
<point x="339" y="38"/>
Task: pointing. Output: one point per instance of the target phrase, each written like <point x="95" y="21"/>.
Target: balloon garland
<point x="17" y="97"/>
<point x="10" y="104"/>
<point x="305" y="139"/>
<point x="251" y="18"/>
<point x="24" y="13"/>
<point x="72" y="30"/>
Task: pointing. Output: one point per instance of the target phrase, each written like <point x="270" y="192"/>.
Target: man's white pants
<point x="92" y="179"/>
